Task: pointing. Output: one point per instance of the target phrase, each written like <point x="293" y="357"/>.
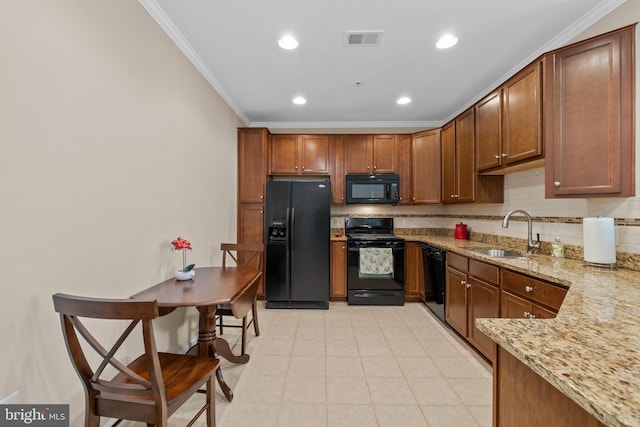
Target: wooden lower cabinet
<point x="251" y="229"/>
<point x="523" y="398"/>
<point x="472" y="292"/>
<point x="414" y="273"/>
<point x="484" y="301"/>
<point x="526" y="297"/>
<point x="338" y="271"/>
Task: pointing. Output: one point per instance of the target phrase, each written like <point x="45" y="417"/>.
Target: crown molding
<point x="156" y="12"/>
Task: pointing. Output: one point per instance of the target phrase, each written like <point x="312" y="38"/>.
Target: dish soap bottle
<point x="557" y="248"/>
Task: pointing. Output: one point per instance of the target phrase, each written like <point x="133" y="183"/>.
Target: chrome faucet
<point x="531" y="247"/>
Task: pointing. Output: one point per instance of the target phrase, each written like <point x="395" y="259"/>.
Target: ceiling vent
<point x="364" y="38"/>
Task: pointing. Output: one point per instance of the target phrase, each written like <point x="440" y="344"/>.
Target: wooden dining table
<point x="209" y="287"/>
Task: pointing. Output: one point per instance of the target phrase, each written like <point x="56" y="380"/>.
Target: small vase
<point x="185" y="275"/>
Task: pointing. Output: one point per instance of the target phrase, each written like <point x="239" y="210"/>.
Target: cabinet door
<point x="385" y="154"/>
<point x="489" y="132"/>
<point x="484" y="301"/>
<point x="358" y="154"/>
<point x="514" y="307"/>
<point x="425" y="168"/>
<point x="251" y="228"/>
<point x="540" y="312"/>
<point x="404" y="169"/>
<point x="252" y="164"/>
<point x="314" y="153"/>
<point x="522" y="116"/>
<point x="465" y="163"/>
<point x="449" y="163"/>
<point x="284" y="155"/>
<point x="456" y="300"/>
<point x="589" y="118"/>
<point x="337" y="170"/>
<point x="339" y="270"/>
<point x="414" y="278"/>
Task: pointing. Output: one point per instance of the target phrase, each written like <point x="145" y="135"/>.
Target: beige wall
<point x="111" y="145"/>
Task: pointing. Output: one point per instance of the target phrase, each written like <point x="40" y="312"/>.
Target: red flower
<point x="180" y="243"/>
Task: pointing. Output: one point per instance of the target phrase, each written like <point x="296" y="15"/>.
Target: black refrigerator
<point x="297" y="227"/>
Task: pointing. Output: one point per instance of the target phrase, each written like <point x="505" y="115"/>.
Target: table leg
<point x="209" y="344"/>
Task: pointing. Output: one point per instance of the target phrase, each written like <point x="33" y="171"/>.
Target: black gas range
<point x="375" y="262"/>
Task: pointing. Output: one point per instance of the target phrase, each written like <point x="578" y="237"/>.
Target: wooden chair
<point x="244" y="255"/>
<point x="150" y="388"/>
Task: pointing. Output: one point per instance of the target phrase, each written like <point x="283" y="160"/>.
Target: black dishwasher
<point x="435" y="266"/>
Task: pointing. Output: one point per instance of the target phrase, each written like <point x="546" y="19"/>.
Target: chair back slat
<point x="72" y="307"/>
<point x="108" y="356"/>
<point x="244" y="255"/>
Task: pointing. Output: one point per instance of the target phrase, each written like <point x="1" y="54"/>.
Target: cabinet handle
<point x="504" y="154"/>
<point x="468" y="285"/>
<point x="462" y="282"/>
<point x="261" y="212"/>
<point x="532" y="316"/>
<point x="527" y="314"/>
<point x="556" y="184"/>
<point x="528" y="288"/>
<point x="498" y="156"/>
<point x="303" y="168"/>
<point x="343" y="247"/>
<point x="261" y="197"/>
<point x="296" y="167"/>
<point x="342" y="198"/>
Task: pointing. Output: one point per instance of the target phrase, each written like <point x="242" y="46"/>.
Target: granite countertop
<point x="591" y="350"/>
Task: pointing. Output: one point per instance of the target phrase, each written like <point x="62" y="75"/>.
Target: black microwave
<point x="373" y="189"/>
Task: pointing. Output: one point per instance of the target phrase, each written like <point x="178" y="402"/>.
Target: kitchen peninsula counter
<point x="591" y="350"/>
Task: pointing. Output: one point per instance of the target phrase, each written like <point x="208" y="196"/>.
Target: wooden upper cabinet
<point x="385" y="154"/>
<point x="337" y="169"/>
<point x="458" y="164"/>
<point x="425" y="159"/>
<point x="252" y="164"/>
<point x="465" y="157"/>
<point x="589" y="117"/>
<point x="489" y="132"/>
<point x="460" y="182"/>
<point x="314" y="153"/>
<point x="509" y="122"/>
<point x="299" y="155"/>
<point x="371" y="154"/>
<point x="358" y="153"/>
<point x="283" y="155"/>
<point x="522" y="116"/>
<point x="405" y="169"/>
<point x="448" y="138"/>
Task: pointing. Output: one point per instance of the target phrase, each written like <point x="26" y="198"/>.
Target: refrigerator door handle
<point x="289" y="242"/>
<point x="293" y="225"/>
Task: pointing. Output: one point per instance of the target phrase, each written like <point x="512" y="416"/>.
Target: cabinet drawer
<point x="487" y="272"/>
<point x="533" y="289"/>
<point x="458" y="262"/>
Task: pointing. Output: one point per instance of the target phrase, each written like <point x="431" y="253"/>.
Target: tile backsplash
<point x="523" y="190"/>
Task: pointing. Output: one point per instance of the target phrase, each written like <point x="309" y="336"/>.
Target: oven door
<point x="375" y="272"/>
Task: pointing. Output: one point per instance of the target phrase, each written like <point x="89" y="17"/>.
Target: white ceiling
<point x="234" y="45"/>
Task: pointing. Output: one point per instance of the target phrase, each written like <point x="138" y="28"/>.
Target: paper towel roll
<point x="599" y="240"/>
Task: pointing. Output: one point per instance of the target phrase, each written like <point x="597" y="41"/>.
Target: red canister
<point x="461" y="232"/>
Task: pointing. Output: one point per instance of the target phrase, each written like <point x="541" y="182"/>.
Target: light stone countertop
<point x="591" y="350"/>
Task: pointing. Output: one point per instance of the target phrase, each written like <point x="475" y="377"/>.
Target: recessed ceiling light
<point x="299" y="100"/>
<point x="288" y="42"/>
<point x="403" y="100"/>
<point x="446" y="41"/>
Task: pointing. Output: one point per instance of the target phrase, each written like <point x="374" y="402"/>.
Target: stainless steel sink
<point x="498" y="253"/>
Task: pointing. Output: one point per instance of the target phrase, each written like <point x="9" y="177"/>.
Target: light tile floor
<point x="352" y="366"/>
